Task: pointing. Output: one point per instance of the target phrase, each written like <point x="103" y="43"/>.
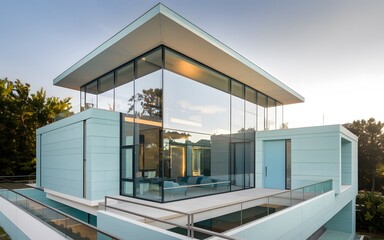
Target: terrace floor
<point x="194" y="205"/>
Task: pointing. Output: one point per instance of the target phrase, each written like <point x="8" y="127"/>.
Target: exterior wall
<point x="316" y="155"/>
<point x="60" y="148"/>
<point x="20" y="225"/>
<point x="302" y="220"/>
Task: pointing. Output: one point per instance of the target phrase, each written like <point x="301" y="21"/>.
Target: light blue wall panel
<point x="103" y="156"/>
<point x="316" y="153"/>
<point x="62" y="159"/>
<point x="38" y="142"/>
<point x="342" y="221"/>
<point x="346" y="162"/>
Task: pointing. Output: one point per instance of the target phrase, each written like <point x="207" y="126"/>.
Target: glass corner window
<point x="91" y="95"/>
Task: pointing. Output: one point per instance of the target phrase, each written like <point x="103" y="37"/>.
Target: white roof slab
<point x="162" y="26"/>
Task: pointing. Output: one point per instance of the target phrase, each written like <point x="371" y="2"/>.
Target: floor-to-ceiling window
<point x="196" y="111"/>
<point x="186" y="129"/>
<point x="237" y="135"/>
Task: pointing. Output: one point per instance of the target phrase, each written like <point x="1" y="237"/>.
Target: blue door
<point x="274" y="164"/>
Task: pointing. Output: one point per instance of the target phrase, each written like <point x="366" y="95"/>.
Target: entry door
<point x="274" y="164"/>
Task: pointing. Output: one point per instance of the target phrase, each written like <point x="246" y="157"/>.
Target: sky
<point x="329" y="51"/>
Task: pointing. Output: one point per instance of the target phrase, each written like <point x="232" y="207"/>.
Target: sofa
<point x="173" y="187"/>
<point x="204" y="181"/>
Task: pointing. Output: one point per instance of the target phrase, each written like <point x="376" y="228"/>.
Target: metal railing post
<point x="189" y="225"/>
<point x="241" y="214"/>
<point x="192" y="231"/>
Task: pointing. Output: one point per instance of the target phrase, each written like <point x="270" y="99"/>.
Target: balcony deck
<point x="225" y="202"/>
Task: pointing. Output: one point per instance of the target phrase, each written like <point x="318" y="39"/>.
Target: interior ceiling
<point x="164" y="27"/>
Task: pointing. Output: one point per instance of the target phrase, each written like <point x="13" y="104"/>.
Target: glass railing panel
<point x="309" y="192"/>
<point x="62" y="222"/>
<point x="254" y="209"/>
<point x="280" y="201"/>
<point x="297" y="196"/>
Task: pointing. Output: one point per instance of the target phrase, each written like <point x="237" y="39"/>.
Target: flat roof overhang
<point x="162" y="26"/>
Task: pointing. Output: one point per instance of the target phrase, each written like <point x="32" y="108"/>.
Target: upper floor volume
<point x="162" y="26"/>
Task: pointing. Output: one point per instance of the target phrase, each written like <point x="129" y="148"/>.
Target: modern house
<point x="177" y="129"/>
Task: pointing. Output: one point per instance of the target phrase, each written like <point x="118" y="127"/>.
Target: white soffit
<point x="161" y="25"/>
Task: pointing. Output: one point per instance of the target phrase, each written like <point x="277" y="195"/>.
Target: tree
<point x="21" y="114"/>
<point x="148" y="103"/>
<point x="371" y="153"/>
<point x="370" y="212"/>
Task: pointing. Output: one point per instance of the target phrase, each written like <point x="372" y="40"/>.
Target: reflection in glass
<point x="124" y="89"/>
<point x="193" y="165"/>
<point x="148" y="96"/>
<point x="149" y="63"/>
<point x="127" y="128"/>
<point x="261" y="106"/>
<point x="271" y="117"/>
<point x="82" y="98"/>
<point x="193" y="106"/>
<point x="91" y="95"/>
<point x="250" y="109"/>
<point x="279" y="115"/>
<point x="191" y="69"/>
<point x="106" y="92"/>
<point x="147" y="161"/>
<point x="237" y="107"/>
<point x="197" y="139"/>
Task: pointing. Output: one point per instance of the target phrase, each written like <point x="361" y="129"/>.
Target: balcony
<point x="212" y="215"/>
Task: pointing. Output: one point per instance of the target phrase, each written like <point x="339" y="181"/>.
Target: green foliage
<point x="370" y="212"/>
<point x="21" y="114"/>
<point x="371" y="153"/>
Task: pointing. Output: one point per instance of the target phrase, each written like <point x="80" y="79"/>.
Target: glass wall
<point x="261" y="116"/>
<point x="91" y="95"/>
<point x="271" y="117"/>
<point x="279" y="116"/>
<point x="237" y="135"/>
<point x="106" y="92"/>
<point x="186" y="129"/>
<point x="124" y="89"/>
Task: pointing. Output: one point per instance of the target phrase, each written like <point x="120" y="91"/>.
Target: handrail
<point x="188" y="228"/>
<point x="57" y="211"/>
<point x="190" y="214"/>
<point x="257" y="198"/>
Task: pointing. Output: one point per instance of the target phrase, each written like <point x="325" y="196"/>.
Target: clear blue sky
<point x="329" y="51"/>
